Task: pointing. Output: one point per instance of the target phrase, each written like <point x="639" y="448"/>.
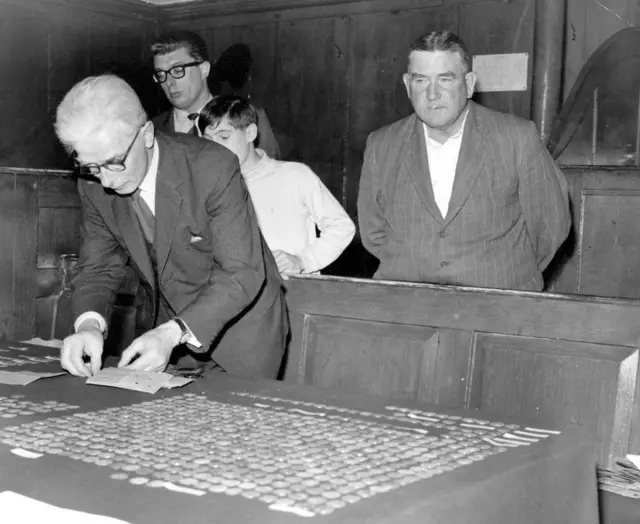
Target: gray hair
<point x="443" y="41"/>
<point x="98" y="104"/>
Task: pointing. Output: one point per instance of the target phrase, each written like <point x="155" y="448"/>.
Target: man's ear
<point x="149" y="134"/>
<point x="470" y="79"/>
<point x="251" y="132"/>
<point x="407" y="82"/>
<point x="205" y="69"/>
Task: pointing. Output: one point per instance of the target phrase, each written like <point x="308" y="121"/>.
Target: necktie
<point x="145" y="216"/>
<point x="194" y="129"/>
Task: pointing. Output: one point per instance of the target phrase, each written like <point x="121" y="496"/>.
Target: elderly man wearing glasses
<point x="175" y="208"/>
<point x="181" y="67"/>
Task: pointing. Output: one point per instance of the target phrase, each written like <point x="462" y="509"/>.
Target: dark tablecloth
<point x="549" y="482"/>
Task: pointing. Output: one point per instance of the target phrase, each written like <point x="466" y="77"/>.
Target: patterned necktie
<point x="145" y="216"/>
<point x="194" y="128"/>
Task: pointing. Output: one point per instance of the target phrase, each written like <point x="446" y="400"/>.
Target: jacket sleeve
<point x="544" y="199"/>
<point x="371" y="202"/>
<point x="238" y="271"/>
<point x="101" y="265"/>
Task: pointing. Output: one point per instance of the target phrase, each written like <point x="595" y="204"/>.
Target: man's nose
<point x="433" y="91"/>
<point x="171" y="82"/>
<point x="107" y="178"/>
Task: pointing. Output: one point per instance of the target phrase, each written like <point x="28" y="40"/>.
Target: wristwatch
<point x="183" y="327"/>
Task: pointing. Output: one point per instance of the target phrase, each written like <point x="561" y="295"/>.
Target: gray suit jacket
<point x="507" y="216"/>
<point x="213" y="266"/>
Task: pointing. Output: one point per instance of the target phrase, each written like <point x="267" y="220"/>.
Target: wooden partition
<point x="559" y="358"/>
<point x="602" y="254"/>
<point x="39" y="222"/>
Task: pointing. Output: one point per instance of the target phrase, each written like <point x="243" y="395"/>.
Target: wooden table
<point x="548" y="481"/>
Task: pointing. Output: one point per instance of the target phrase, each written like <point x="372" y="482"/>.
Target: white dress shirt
<point x="443" y="160"/>
<point x="181" y="122"/>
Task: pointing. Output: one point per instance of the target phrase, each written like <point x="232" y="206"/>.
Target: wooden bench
<point x="559" y="358"/>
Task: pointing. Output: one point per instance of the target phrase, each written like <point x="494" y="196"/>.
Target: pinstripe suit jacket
<point x="507" y="216"/>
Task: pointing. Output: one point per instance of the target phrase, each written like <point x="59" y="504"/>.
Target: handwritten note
<point x="145" y="381"/>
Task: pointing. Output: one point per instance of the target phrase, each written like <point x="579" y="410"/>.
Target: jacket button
<point x="444" y="264"/>
<point x="444" y="233"/>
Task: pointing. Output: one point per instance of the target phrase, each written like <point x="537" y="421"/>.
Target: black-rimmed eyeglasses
<point x="177" y="71"/>
<point x="115" y="164"/>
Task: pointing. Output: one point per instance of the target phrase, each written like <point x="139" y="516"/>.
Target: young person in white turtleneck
<point x="289" y="198"/>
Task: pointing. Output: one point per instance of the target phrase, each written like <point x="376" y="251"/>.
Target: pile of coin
<point x="310" y="461"/>
<point x="16" y="405"/>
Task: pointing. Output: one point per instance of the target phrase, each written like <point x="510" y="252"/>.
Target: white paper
<point x="18" y="509"/>
<point x="635" y="460"/>
<point x="145" y="381"/>
<point x="22" y="378"/>
<point x="53" y="343"/>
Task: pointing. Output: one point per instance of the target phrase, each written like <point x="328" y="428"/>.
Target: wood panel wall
<point x="39" y="222"/>
<point x="49" y="45"/>
<point x="602" y="254"/>
<point x="328" y="74"/>
<point x="555" y="358"/>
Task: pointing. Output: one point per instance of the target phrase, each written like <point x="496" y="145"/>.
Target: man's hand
<point x="288" y="264"/>
<point x="153" y="349"/>
<point x="88" y="341"/>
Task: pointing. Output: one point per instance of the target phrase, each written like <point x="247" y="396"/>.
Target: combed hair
<point x="170" y="42"/>
<point x="240" y="112"/>
<point x="443" y="41"/>
<point x="95" y="105"/>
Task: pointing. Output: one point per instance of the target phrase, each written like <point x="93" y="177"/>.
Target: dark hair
<point x="193" y="43"/>
<point x="234" y="65"/>
<point x="443" y="41"/>
<point x="241" y="114"/>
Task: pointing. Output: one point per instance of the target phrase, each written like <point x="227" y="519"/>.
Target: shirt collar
<point x="148" y="183"/>
<point x="184" y="115"/>
<point x="452" y="138"/>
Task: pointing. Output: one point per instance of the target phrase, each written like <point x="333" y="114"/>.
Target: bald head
<point x="101" y="107"/>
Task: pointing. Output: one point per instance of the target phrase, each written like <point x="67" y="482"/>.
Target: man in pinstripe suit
<point x="457" y="193"/>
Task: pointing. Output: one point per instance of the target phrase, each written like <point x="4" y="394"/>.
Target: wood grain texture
<point x="559" y="381"/>
<point x="62" y="42"/>
<point x="494" y="28"/>
<point x="18" y="242"/>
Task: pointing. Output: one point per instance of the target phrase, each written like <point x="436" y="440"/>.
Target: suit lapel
<point x="470" y="161"/>
<point x="418" y="166"/>
<point x="169" y="123"/>
<point x="133" y="236"/>
<point x="168" y="203"/>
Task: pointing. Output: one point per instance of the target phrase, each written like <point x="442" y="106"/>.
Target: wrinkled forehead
<point x="168" y="60"/>
<point x="101" y="145"/>
<point x="438" y="61"/>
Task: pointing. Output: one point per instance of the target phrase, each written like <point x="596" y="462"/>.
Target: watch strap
<point x="183" y="327"/>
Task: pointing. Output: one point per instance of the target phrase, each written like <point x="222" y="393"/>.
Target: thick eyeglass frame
<point x="177" y="71"/>
<point x="113" y="164"/>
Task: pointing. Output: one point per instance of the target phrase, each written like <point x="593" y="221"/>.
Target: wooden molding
<point x="133" y="9"/>
<point x="205" y="13"/>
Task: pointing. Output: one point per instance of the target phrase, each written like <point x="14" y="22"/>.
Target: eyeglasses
<point x="177" y="71"/>
<point x="111" y="165"/>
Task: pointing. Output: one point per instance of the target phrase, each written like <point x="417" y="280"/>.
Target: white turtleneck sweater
<point x="290" y="201"/>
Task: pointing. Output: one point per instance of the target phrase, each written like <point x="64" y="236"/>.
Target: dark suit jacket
<point x="214" y="267"/>
<point x="164" y="121"/>
<point x="507" y="216"/>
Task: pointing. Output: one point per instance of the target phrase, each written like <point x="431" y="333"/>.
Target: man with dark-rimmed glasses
<point x="175" y="209"/>
<point x="181" y="68"/>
